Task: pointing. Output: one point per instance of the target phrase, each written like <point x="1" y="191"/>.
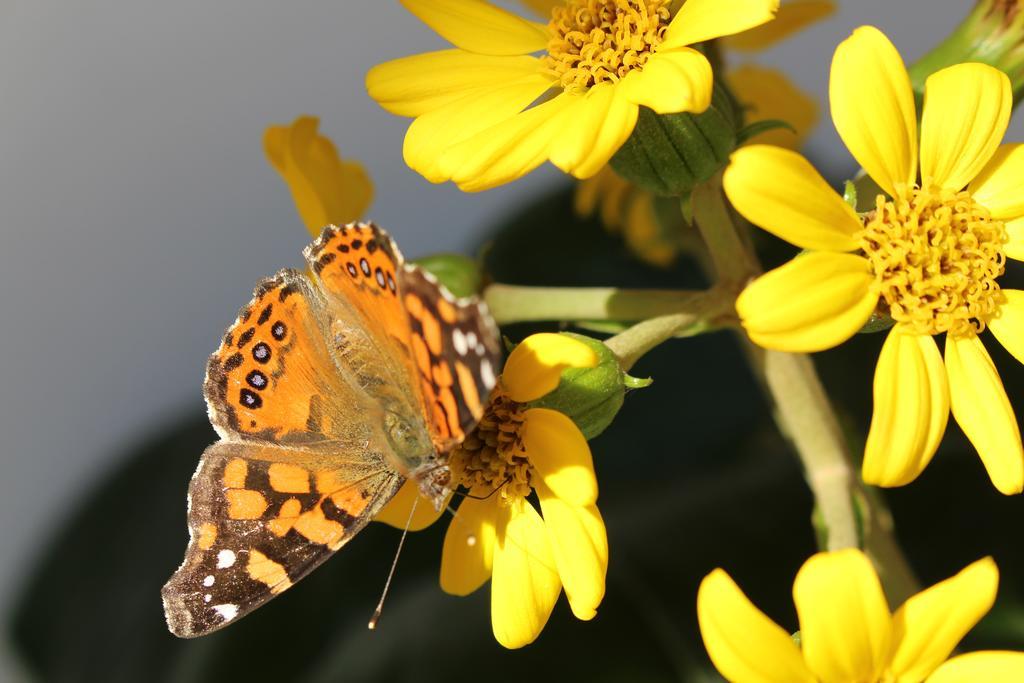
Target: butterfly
<point x="328" y="392"/>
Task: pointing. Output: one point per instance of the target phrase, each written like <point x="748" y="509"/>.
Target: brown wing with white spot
<point x="304" y="462"/>
<point x="454" y="344"/>
<point x="261" y="517"/>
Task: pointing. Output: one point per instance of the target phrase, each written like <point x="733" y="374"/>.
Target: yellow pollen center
<point x="593" y="41"/>
<point x="936" y="255"/>
<point x="492" y="459"/>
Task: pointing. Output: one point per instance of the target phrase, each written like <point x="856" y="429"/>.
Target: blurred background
<point x="137" y="213"/>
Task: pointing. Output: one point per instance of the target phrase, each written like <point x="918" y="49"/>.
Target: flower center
<point x="492" y="459"/>
<point x="593" y="41"/>
<point x="936" y="255"/>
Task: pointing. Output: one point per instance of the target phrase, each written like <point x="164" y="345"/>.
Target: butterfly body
<point x="327" y="394"/>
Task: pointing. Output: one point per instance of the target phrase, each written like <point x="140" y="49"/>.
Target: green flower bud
<point x="591" y="396"/>
<point x="669" y="154"/>
<point x="460" y="274"/>
<point x="993" y="34"/>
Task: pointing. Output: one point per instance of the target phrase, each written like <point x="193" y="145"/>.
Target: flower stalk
<point x="993" y="34"/>
<point x="517" y="303"/>
<point x="632" y="344"/>
<point x="850" y="515"/>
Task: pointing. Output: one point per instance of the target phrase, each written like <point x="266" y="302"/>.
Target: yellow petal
<point x="275" y="140"/>
<point x="966" y="111"/>
<point x="814" y="302"/>
<point x="542" y="8"/>
<point x="1014" y="247"/>
<point x="930" y="624"/>
<point x="432" y="134"/>
<point x="793" y="16"/>
<point x="743" y="643"/>
<point x="873" y="107"/>
<point x="396" y="512"/>
<point x="672" y="81"/>
<point x="479" y="26"/>
<point x="990" y="667"/>
<point x="325" y="189"/>
<point x="579" y="542"/>
<point x="780" y="191"/>
<point x="535" y="366"/>
<point x="559" y="453"/>
<point x="524" y="582"/>
<point x="593" y="130"/>
<point x="507" y="150"/>
<point x="466" y="558"/>
<point x="984" y="413"/>
<point x="415" y="85"/>
<point x="911" y="409"/>
<point x="1000" y="185"/>
<point x="845" y="626"/>
<point x="767" y="94"/>
<point x="1008" y="323"/>
<point x="700" y="20"/>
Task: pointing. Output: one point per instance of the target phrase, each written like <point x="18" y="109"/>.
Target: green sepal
<point x="754" y="129"/>
<point x="670" y="154"/>
<point x="637" y="382"/>
<point x="878" y="322"/>
<point x="590" y="396"/>
<point x="850" y="194"/>
<point x="460" y="274"/>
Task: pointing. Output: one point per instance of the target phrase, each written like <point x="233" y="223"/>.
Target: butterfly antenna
<point x="394" y="563"/>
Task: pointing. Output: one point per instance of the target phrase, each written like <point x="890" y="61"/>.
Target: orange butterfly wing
<point x="302" y="466"/>
<point x="445" y="350"/>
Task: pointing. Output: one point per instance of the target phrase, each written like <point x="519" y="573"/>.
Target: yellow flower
<point x="497" y="533"/>
<point x="929" y="255"/>
<point x="766" y="94"/>
<point x="847" y="633"/>
<point x="326" y="189"/>
<point x="488" y="111"/>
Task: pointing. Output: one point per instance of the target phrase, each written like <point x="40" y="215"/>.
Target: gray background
<point x="138" y="211"/>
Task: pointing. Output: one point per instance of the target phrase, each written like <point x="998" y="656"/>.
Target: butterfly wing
<point x="444" y="350"/>
<point x="261" y="517"/>
<point x="275" y="377"/>
<point x="302" y="466"/>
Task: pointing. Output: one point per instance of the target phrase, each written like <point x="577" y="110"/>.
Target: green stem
<point x="514" y="303"/>
<point x="732" y="258"/>
<point x="804" y="412"/>
<point x="806" y="417"/>
<point x="631" y="345"/>
<point x="993" y="33"/>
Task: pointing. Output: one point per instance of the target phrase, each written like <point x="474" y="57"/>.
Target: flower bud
<point x="993" y="34"/>
<point x="460" y="274"/>
<point x="591" y="396"/>
<point x="669" y="154"/>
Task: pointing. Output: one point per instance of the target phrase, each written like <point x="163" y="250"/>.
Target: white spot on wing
<point x="207" y="597"/>
<point x="225" y="558"/>
<point x="487" y="373"/>
<point x="460" y="342"/>
<point x="471" y="338"/>
<point x="227" y="612"/>
<point x="208" y="581"/>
